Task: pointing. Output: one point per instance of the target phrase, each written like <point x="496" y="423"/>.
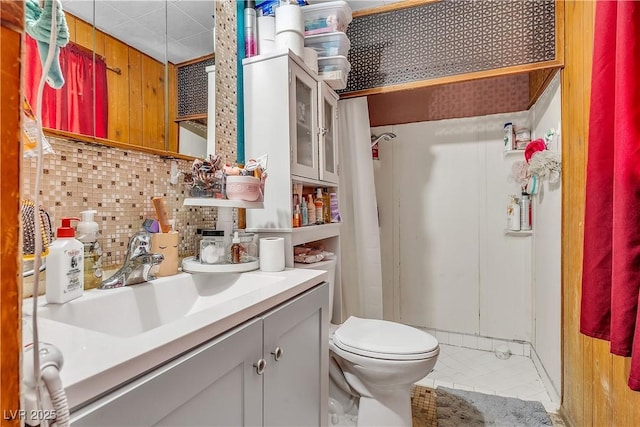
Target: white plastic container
<point x="329" y="44"/>
<point x="326" y="17"/>
<point x="334" y="70"/>
<point x="513" y="214"/>
<point x="65" y="265"/>
<point x="87" y="230"/>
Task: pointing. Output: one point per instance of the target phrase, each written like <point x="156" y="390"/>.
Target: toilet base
<point x="391" y="409"/>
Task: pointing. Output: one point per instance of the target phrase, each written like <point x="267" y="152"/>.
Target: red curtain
<point x="70" y="108"/>
<point x="611" y="265"/>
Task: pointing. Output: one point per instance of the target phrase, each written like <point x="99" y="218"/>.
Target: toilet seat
<point x="382" y="339"/>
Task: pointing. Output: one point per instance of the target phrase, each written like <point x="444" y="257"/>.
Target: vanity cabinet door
<point x="328" y="130"/>
<point x="214" y="385"/>
<point x="296" y="378"/>
<point x="303" y="98"/>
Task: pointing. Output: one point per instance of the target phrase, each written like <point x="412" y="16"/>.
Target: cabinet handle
<point x="322" y="131"/>
<point x="277" y="354"/>
<point x="260" y="365"/>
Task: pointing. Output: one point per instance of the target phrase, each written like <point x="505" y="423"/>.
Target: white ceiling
<point x="183" y="26"/>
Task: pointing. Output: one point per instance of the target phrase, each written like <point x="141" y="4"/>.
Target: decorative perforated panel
<point x="448" y="38"/>
<point x="193" y="88"/>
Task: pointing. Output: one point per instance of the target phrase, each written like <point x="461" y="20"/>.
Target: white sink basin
<point x="133" y="310"/>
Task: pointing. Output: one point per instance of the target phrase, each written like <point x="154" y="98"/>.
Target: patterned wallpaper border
<point x="447" y="38"/>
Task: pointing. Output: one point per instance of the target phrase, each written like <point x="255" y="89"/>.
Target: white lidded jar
<point x="65" y="265"/>
<point x="513" y="214"/>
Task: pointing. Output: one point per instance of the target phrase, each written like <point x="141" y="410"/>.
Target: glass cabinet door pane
<point x="304" y="123"/>
<point x="329" y="160"/>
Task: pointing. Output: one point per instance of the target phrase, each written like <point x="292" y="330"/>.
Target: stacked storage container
<point x="324" y="30"/>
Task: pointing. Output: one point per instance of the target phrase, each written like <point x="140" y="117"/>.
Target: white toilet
<point x="375" y="362"/>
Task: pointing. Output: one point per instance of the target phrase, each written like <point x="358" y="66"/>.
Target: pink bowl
<point x="245" y="188"/>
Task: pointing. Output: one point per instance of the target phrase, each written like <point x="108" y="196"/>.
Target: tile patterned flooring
<point x="481" y="371"/>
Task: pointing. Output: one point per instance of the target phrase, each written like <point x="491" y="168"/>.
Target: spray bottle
<point x="88" y="234"/>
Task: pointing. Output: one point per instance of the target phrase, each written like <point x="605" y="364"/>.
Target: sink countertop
<point x="96" y="362"/>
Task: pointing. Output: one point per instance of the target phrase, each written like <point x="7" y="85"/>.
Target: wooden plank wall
<point x="594" y="381"/>
<point x="136" y="95"/>
<point x="11" y="15"/>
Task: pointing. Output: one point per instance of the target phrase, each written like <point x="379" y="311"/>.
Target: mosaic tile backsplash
<point x="119" y="185"/>
<point x="447" y="38"/>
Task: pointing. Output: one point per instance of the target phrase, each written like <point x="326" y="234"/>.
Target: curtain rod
<point x="116" y="70"/>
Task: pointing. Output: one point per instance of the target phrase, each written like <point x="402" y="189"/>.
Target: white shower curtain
<point x="361" y="271"/>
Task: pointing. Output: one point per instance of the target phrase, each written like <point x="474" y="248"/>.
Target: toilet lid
<point x="384" y="340"/>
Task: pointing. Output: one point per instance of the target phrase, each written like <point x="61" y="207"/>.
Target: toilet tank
<point x="334" y="296"/>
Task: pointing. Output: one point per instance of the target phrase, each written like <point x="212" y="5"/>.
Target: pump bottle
<point x="311" y="211"/>
<point x="65" y="265"/>
<point x="88" y="234"/>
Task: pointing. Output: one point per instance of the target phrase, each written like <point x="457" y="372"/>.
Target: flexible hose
<point x="51" y="378"/>
<point x="37" y="226"/>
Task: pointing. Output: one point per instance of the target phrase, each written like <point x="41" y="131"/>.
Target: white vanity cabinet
<point x="270" y="371"/>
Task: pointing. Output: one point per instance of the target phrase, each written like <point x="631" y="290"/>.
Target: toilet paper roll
<point x="266" y="34"/>
<point x="289" y="17"/>
<point x="290" y="40"/>
<point x="272" y="254"/>
<point x="311" y="58"/>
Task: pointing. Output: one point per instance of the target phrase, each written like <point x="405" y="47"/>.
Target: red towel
<point x="611" y="265"/>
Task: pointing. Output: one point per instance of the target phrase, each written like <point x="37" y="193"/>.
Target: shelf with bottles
<point x="519" y="215"/>
<point x="310" y="233"/>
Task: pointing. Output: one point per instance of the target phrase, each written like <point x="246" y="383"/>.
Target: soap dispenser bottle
<point x="65" y="265"/>
<point x="88" y="234"/>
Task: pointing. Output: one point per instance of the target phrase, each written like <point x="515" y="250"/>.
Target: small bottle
<point x="326" y="206"/>
<point x="319" y="207"/>
<point x="311" y="210"/>
<point x="509" y="137"/>
<point x="513" y="214"/>
<point x="525" y="212"/>
<point x="65" y="265"/>
<point x="235" y="249"/>
<point x="88" y="234"/>
<point x="296" y="217"/>
<point x="304" y="213"/>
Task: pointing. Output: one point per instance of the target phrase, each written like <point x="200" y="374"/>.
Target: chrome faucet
<point x="137" y="267"/>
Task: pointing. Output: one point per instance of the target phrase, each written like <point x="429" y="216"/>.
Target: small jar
<point x="248" y="248"/>
<point x="212" y="247"/>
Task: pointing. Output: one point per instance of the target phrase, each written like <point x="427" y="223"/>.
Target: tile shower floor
<point x="481" y="371"/>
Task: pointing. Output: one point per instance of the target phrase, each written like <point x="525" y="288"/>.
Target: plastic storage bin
<point x="268" y="7"/>
<point x="326" y="17"/>
<point x="329" y="44"/>
<point x="334" y="70"/>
